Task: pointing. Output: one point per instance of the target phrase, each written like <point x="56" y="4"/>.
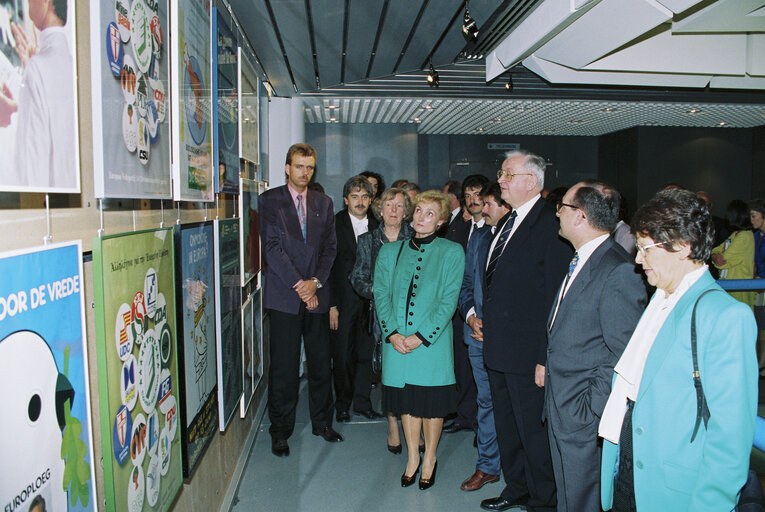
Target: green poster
<point x="137" y="369"/>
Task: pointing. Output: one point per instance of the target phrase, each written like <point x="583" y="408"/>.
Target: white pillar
<point x="286" y="126"/>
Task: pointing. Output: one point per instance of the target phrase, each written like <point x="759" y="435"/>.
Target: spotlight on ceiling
<point x="432" y="76"/>
<point x="509" y="84"/>
<point x="469" y="27"/>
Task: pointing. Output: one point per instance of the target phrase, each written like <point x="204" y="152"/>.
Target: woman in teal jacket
<point x="656" y="455"/>
<point x="416" y="287"/>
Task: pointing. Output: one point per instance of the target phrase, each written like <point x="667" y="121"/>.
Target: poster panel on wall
<point x="228" y="318"/>
<point x="248" y="373"/>
<point x="38" y="120"/>
<point x="45" y="431"/>
<point x="192" y="104"/>
<point x="248" y="111"/>
<point x="257" y="351"/>
<point x="226" y="111"/>
<point x="130" y="84"/>
<point x="249" y="230"/>
<point x="134" y="288"/>
<point x="264" y="97"/>
<point x="195" y="275"/>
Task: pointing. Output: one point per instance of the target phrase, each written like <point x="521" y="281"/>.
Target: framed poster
<point x="195" y="274"/>
<point x="264" y="97"/>
<point x="130" y="82"/>
<point x="248" y="111"/>
<point x="192" y="103"/>
<point x="38" y="122"/>
<point x="134" y="283"/>
<point x="45" y="432"/>
<point x="248" y="373"/>
<point x="226" y="112"/>
<point x="257" y="351"/>
<point x="249" y="231"/>
<point x="228" y="318"/>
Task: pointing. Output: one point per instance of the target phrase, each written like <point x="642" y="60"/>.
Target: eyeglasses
<point x="509" y="176"/>
<point x="642" y="249"/>
<point x="561" y="204"/>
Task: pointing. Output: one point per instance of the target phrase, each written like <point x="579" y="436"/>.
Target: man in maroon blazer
<point x="299" y="246"/>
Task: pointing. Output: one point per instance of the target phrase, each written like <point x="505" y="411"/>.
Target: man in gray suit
<point x="592" y="319"/>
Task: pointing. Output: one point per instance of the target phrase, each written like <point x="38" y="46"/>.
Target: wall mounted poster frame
<point x="195" y="274"/>
<point x="249" y="230"/>
<point x="40" y="152"/>
<point x="192" y="104"/>
<point x="249" y="148"/>
<point x="134" y="288"/>
<point x="130" y="84"/>
<point x="248" y="369"/>
<point x="226" y="109"/>
<point x="228" y="318"/>
<point x="46" y="424"/>
<point x="264" y="99"/>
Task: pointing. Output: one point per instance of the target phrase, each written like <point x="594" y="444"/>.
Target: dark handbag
<point x="751" y="498"/>
<point x="374" y="330"/>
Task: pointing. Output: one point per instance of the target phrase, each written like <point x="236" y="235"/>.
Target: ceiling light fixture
<point x="722" y="123"/>
<point x="469" y="27"/>
<point x="432" y="76"/>
<point x="509" y="84"/>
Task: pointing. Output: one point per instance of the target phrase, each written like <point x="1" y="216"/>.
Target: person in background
<point x="496" y="212"/>
<point x="756" y="217"/>
<point x="416" y="287"/>
<point x="622" y="233"/>
<point x="377" y="181"/>
<point x="399" y="183"/>
<point x="658" y="454"/>
<point x="348" y="312"/>
<point x="394" y="209"/>
<point x="734" y="258"/>
<point x="412" y="189"/>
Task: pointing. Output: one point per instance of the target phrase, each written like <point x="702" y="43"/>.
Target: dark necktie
<point x="499" y="247"/>
<point x="301" y="215"/>
<point x="571" y="268"/>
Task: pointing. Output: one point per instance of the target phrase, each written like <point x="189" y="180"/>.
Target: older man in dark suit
<point x="591" y="321"/>
<point x="298" y="234"/>
<point x="349" y="313"/>
<point x="525" y="264"/>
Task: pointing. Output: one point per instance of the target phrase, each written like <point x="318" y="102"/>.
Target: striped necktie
<point x="499" y="247"/>
<point x="571" y="267"/>
<point x="301" y="215"/>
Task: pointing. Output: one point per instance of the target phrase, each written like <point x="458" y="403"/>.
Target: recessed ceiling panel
<point x="328" y="33"/>
<point x="725" y="16"/>
<point x="399" y="19"/>
<point x="291" y="19"/>
<point x="435" y="19"/>
<point x="363" y="20"/>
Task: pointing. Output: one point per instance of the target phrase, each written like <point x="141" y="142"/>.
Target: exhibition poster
<point x="249" y="230"/>
<point x="195" y="275"/>
<point x="46" y="448"/>
<point x="134" y="288"/>
<point x="226" y="111"/>
<point x="248" y="111"/>
<point x="228" y="319"/>
<point x="192" y="110"/>
<point x="248" y="337"/>
<point x="130" y="84"/>
<point x="38" y="97"/>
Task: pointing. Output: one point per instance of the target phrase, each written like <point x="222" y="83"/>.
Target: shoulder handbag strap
<point x="401" y="248"/>
<point x="702" y="410"/>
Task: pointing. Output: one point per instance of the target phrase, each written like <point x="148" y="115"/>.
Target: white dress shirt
<point x="360" y="226"/>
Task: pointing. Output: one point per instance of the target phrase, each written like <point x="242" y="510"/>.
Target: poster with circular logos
<point x="134" y="277"/>
<point x="131" y="142"/>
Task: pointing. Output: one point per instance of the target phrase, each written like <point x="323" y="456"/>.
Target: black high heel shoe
<point x="428" y="483"/>
<point x="395" y="450"/>
<point x="406" y="481"/>
<point x="421" y="448"/>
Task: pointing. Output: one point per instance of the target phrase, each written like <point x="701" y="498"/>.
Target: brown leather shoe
<point x="478" y="480"/>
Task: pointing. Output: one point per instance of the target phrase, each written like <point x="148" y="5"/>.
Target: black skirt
<point x="420" y="401"/>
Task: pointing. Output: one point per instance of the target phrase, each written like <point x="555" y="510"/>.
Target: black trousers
<point x="283" y="382"/>
<point x="523" y="446"/>
<point x="467" y="393"/>
<point x="362" y="381"/>
<point x="348" y="344"/>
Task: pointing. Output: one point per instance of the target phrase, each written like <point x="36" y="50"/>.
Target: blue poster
<point x="46" y="452"/>
<point x="226" y="113"/>
<point x="195" y="251"/>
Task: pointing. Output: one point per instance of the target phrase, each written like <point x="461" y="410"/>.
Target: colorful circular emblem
<point x="152" y="430"/>
<point x="159" y="98"/>
<point x="135" y="490"/>
<point x="194" y="100"/>
<point x="149" y="369"/>
<point x="130" y="127"/>
<point x="128" y="388"/>
<point x="121" y="432"/>
<point x="152" y="481"/>
<point x="157" y="38"/>
<point x="165" y="344"/>
<point x="140" y="33"/>
<point x="170" y="409"/>
<point x="129" y="79"/>
<point x="122" y="15"/>
<point x="139" y="307"/>
<point x="123" y="331"/>
<point x="152" y="121"/>
<point x="150" y="290"/>
<point x="144" y="143"/>
<point x="165" y="442"/>
<point x="114" y="51"/>
<point x="138" y="440"/>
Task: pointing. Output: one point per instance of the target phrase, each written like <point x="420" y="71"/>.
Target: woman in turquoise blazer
<point x="651" y="459"/>
<point x="416" y="286"/>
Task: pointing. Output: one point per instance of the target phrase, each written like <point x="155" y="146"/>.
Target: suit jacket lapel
<point x="345" y="234"/>
<point x="312" y="221"/>
<point x="291" y="222"/>
<point x="523" y="229"/>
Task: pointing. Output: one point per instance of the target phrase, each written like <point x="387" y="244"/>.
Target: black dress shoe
<point x="369" y="414"/>
<point x="328" y="433"/>
<point x="500" y="503"/>
<point x="428" y="483"/>
<point x="451" y="428"/>
<point x="279" y="447"/>
<point x="406" y="481"/>
<point x="342" y="416"/>
<point x="394" y="449"/>
<point x="421" y="448"/>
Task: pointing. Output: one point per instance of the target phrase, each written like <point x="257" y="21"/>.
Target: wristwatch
<point x="318" y="283"/>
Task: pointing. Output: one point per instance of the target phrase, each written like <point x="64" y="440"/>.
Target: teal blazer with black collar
<point x="671" y="473"/>
<point x="435" y="273"/>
